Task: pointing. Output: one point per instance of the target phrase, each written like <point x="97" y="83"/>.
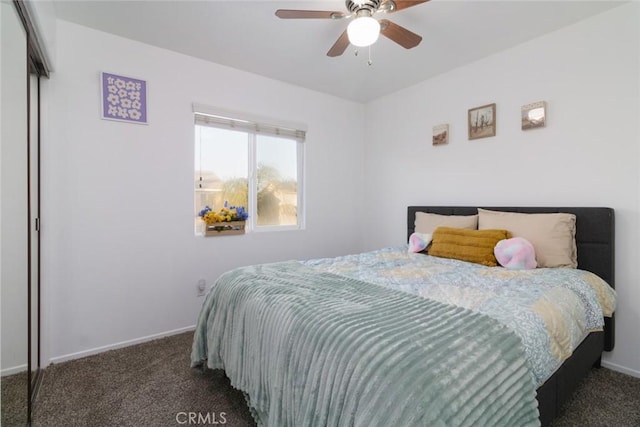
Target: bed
<point x="312" y="343"/>
<point x="595" y="240"/>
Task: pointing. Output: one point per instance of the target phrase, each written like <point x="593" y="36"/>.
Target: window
<point x="251" y="164"/>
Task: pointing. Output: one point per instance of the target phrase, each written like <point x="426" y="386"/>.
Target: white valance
<point x="208" y="116"/>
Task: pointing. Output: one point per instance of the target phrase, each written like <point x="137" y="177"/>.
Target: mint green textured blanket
<point x="317" y="349"/>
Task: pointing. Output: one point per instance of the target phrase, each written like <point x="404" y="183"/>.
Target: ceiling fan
<point x="364" y="29"/>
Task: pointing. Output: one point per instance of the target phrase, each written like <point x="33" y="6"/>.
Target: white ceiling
<point x="247" y="35"/>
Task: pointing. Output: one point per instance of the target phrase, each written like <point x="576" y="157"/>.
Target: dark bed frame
<point x="595" y="241"/>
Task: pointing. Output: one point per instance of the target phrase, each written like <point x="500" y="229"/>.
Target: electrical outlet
<point x="202" y="284"/>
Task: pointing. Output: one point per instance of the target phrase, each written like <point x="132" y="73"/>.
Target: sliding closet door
<point x="34" y="229"/>
<point x="13" y="216"/>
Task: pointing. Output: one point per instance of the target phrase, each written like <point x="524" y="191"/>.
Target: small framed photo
<point x="482" y="121"/>
<point x="534" y="115"/>
<point x="124" y="99"/>
<point x="441" y="134"/>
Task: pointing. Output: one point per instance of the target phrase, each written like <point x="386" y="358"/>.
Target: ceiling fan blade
<point x="397" y="5"/>
<point x="340" y="45"/>
<point x="399" y="34"/>
<point x="308" y="14"/>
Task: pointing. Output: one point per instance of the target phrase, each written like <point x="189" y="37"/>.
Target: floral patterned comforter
<point x="550" y="309"/>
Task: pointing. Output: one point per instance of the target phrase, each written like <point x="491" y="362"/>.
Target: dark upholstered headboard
<point x="595" y="234"/>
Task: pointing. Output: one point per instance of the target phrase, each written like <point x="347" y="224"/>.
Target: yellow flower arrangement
<point x="226" y="214"/>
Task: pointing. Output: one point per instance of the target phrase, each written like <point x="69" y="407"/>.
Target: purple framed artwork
<point x="124" y="98"/>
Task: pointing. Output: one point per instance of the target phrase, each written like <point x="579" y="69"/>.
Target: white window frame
<point x="255" y="125"/>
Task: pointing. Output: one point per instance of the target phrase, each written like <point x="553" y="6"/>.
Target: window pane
<point x="221" y="165"/>
<point x="277" y="181"/>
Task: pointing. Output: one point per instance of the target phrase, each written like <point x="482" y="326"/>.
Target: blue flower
<point x="242" y="213"/>
<point x="204" y="211"/>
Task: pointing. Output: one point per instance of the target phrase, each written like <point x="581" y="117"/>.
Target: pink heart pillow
<point x="515" y="254"/>
<point x="418" y="242"/>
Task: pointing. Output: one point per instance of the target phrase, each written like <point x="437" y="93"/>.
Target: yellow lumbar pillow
<point x="467" y="245"/>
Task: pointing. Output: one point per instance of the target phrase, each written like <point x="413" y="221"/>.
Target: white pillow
<point x="553" y="235"/>
<point x="427" y="222"/>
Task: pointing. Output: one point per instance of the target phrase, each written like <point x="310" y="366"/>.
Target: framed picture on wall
<point x="534" y="115"/>
<point x="482" y="121"/>
<point x="124" y="98"/>
<point x="441" y="134"/>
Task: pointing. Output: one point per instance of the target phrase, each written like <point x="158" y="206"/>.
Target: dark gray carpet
<point x="148" y="384"/>
<point x="605" y="398"/>
<point x="151" y="384"/>
<point x="14" y="399"/>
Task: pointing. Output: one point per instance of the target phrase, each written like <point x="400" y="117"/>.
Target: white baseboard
<point x="13" y="370"/>
<point x="621" y="369"/>
<point x="90" y="352"/>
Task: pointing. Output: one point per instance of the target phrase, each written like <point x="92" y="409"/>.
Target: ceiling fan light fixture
<point x="363" y="31"/>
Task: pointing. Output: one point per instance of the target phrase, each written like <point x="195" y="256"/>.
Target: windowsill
<point x="269" y="229"/>
<point x="260" y="230"/>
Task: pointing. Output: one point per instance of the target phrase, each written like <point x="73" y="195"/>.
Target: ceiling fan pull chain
<point x="369" y="62"/>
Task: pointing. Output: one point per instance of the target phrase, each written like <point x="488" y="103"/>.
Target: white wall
<point x="120" y="260"/>
<point x="587" y="155"/>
